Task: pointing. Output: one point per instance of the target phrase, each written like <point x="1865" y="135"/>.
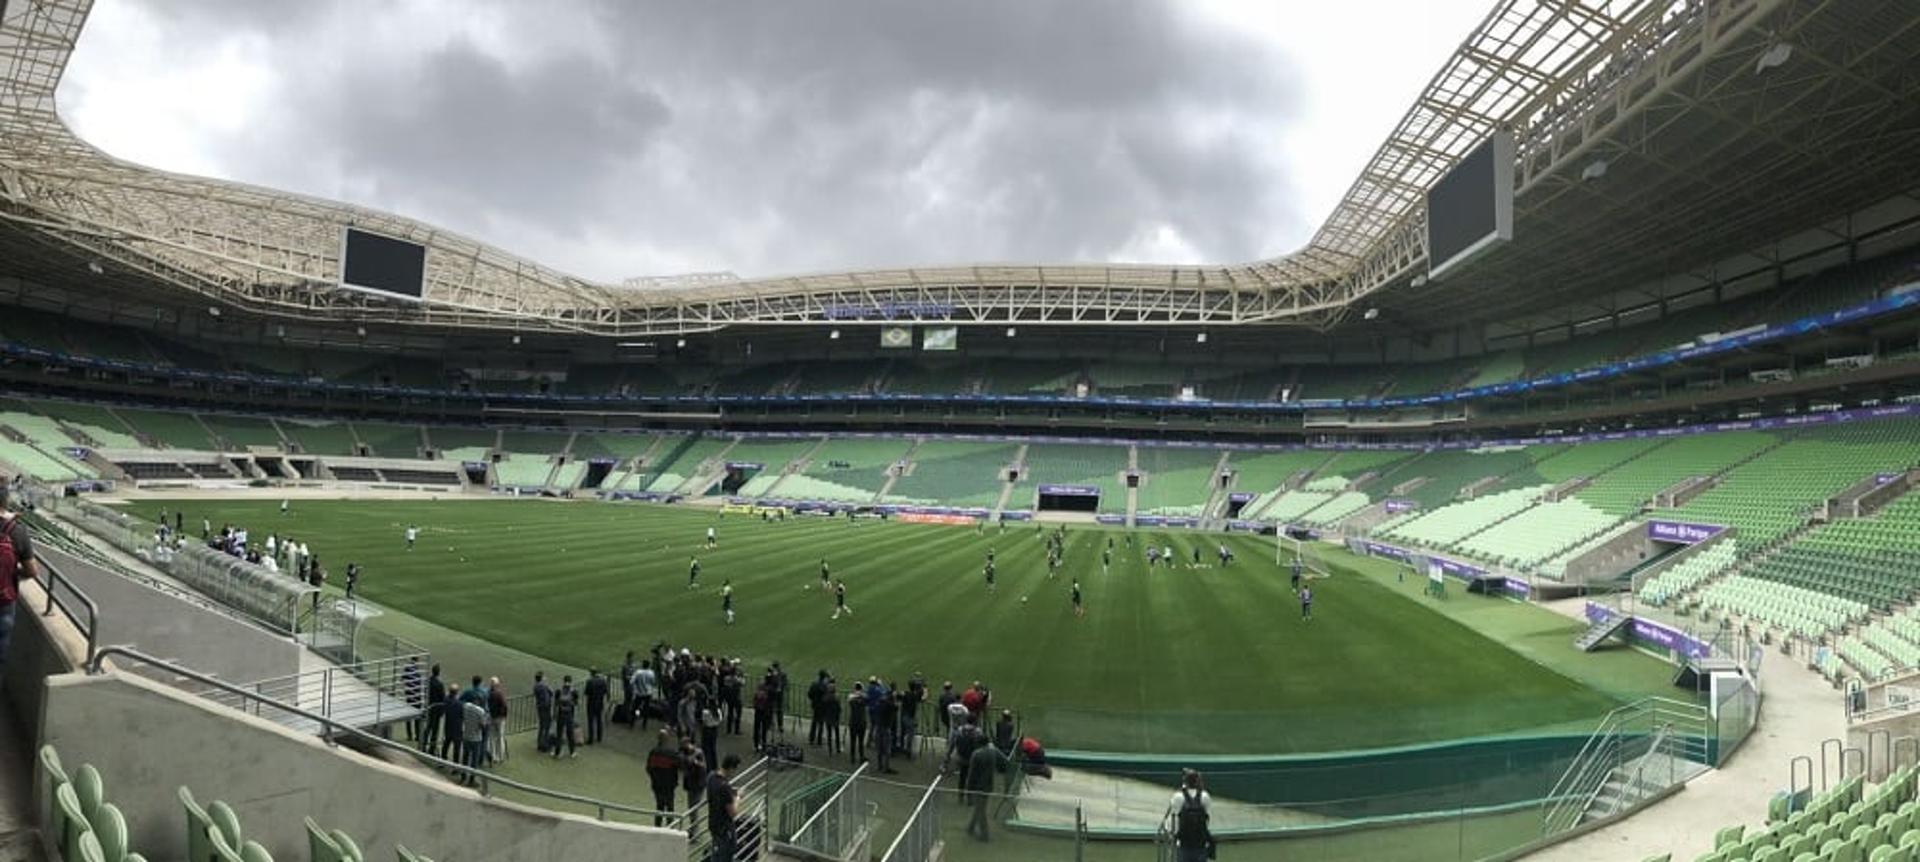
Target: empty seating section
<point x="831" y="378"/>
<point x="50" y="466"/>
<point x="447" y="437"/>
<point x="1337" y="509"/>
<point x="1447" y="525"/>
<point x="569" y="475"/>
<point x="848" y="471"/>
<point x="92" y="420"/>
<point x="1080" y="464"/>
<point x="329" y="438"/>
<point x="1557" y="566"/>
<point x="1176" y="481"/>
<point x="1352" y="465"/>
<point x="151" y="470"/>
<point x="773" y="455"/>
<point x="240" y="433"/>
<point x="540" y="442"/>
<point x="757" y="380"/>
<point x="1340" y="381"/>
<point x="82" y="823"/>
<point x="1530" y="537"/>
<point x="1283" y="506"/>
<point x="1803" y="612"/>
<point x="1502" y="367"/>
<point x="1447" y="472"/>
<point x="1427" y="378"/>
<point x="1843" y="823"/>
<point x="390" y="441"/>
<point x="1689" y="573"/>
<point x="959" y="473"/>
<point x="915" y="378"/>
<point x="1875" y="560"/>
<point x="683" y="462"/>
<point x="166" y="428"/>
<point x="620" y="447"/>
<point x="421" y="476"/>
<point x="466" y="453"/>
<point x="1624" y="489"/>
<point x="355" y="474"/>
<point x="1264" y="471"/>
<point x="522" y="471"/>
<point x="1012" y="377"/>
<point x="1136" y="380"/>
<point x="1771" y="495"/>
<point x="1585" y="351"/>
<point x="1589" y="460"/>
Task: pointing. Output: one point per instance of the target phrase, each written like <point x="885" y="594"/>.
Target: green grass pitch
<point x="1187" y="660"/>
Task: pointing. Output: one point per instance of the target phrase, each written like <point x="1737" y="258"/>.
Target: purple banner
<point x="1395" y="507"/>
<point x="745" y="465"/>
<point x="1458" y="569"/>
<point x="1115" y="520"/>
<point x="1884" y="478"/>
<point x="1069" y="491"/>
<point x="1651" y="632"/>
<point x="1681" y="533"/>
<point x="1164" y="521"/>
<point x="1241" y="497"/>
<point x="1018" y="515"/>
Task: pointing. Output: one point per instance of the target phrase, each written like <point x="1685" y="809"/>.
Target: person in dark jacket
<point x="566" y="702"/>
<point x="816" y="729"/>
<point x="732" y="681"/>
<point x="693" y="772"/>
<point x="543" y="710"/>
<point x="411" y="688"/>
<point x="857" y="724"/>
<point x="597" y="693"/>
<point x="663" y="774"/>
<point x="762" y="715"/>
<point x="450" y="723"/>
<point x="436" y="706"/>
<point x="830" y="716"/>
<point x="886" y="720"/>
<point x="1003" y="731"/>
<point x="983" y="765"/>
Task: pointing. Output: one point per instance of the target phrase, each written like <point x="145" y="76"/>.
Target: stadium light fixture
<point x="1370" y="314"/>
<point x="94" y="267"/>
<point x="1774" y="57"/>
<point x="213" y="311"/>
<point x="1200" y="337"/>
<point x="1011" y="331"/>
<point x="1594" y="170"/>
<point x="833" y="334"/>
<point x="360" y="331"/>
<point x="680" y="343"/>
<point x="516" y="339"/>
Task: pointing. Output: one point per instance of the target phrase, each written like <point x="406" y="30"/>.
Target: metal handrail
<point x="851" y="778"/>
<point x="1601" y="754"/>
<point x="91" y="628"/>
<point x="913" y="818"/>
<point x="486" y="780"/>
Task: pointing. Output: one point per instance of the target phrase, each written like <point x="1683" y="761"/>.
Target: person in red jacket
<point x="974" y="699"/>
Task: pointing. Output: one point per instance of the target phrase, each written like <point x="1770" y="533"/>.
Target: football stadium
<point x="1559" y="499"/>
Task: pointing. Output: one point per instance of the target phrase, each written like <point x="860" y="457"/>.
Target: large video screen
<point x="1470" y="209"/>
<point x="383" y="264"/>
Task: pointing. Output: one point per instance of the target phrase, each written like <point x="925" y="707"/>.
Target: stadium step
<point x="1599" y="632"/>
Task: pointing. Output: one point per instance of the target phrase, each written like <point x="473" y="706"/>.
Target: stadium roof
<point x="1576" y="80"/>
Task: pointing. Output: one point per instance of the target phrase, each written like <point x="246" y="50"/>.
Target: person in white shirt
<point x="413" y="534"/>
<point x="270" y="563"/>
<point x="712" y="540"/>
<point x="271" y="545"/>
<point x="283" y="506"/>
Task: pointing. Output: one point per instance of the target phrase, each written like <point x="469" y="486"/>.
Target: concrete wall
<point x="40" y="647"/>
<point x="148" y="740"/>
<point x="173" y="628"/>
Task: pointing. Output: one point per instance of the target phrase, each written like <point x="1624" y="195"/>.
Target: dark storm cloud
<point x="782" y="136"/>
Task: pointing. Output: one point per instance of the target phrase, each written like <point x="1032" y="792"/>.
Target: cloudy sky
<point x="635" y="137"/>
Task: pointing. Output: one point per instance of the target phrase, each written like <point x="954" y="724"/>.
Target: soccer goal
<point x="1287" y="550"/>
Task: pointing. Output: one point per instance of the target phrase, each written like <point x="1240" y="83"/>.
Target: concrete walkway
<point x="1798" y="710"/>
<point x="19" y="841"/>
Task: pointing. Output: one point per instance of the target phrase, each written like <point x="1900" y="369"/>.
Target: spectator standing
<point x="762" y="715"/>
<point x="597" y="693"/>
<point x="473" y="736"/>
<point x="830" y="703"/>
<point x="723" y="809"/>
<point x="945" y="705"/>
<point x="731" y="683"/>
<point x="968" y="739"/>
<point x="627" y="670"/>
<point x="663" y="774"/>
<point x="915" y="695"/>
<point x="710" y="731"/>
<point x="816" y="729"/>
<point x="693" y="772"/>
<point x="1003" y="731"/>
<point x="542" y="710"/>
<point x="1192" y="837"/>
<point x="857" y="724"/>
<point x="450" y="715"/>
<point x="17" y="564"/>
<point x="565" y="703"/>
<point x="886" y="721"/>
<point x="496" y="721"/>
<point x="975" y="699"/>
<point x="982" y="765"/>
<point x="646" y="686"/>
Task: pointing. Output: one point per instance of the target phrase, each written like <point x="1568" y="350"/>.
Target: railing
<point x="365" y="694"/>
<point x="1681" y="729"/>
<point x="275" y="599"/>
<point x="749" y="826"/>
<point x="485" y="781"/>
<point x="839" y="829"/>
<point x="56" y="584"/>
<point x="917" y="841"/>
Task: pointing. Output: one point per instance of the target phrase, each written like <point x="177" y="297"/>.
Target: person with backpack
<point x="693" y="772"/>
<point x="982" y="765"/>
<point x="1191" y="835"/>
<point x="16" y="564"/>
<point x="566" y="702"/>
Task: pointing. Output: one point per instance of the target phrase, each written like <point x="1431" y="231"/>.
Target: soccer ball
<point x="1023" y="600"/>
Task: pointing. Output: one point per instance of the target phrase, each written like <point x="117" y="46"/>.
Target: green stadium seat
<point x="320" y="846"/>
<point x="198" y="822"/>
<point x="87" y="786"/>
<point x="1727" y="836"/>
<point x="89" y="849"/>
<point x="349" y="849"/>
<point x="110" y="828"/>
<point x="225" y="822"/>
<point x="222" y="849"/>
<point x="50" y="764"/>
<point x="253" y="852"/>
<point x="69" y="822"/>
<point x="405" y="855"/>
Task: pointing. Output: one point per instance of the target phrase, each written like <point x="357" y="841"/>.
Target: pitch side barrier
<point x="1853" y="314"/>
